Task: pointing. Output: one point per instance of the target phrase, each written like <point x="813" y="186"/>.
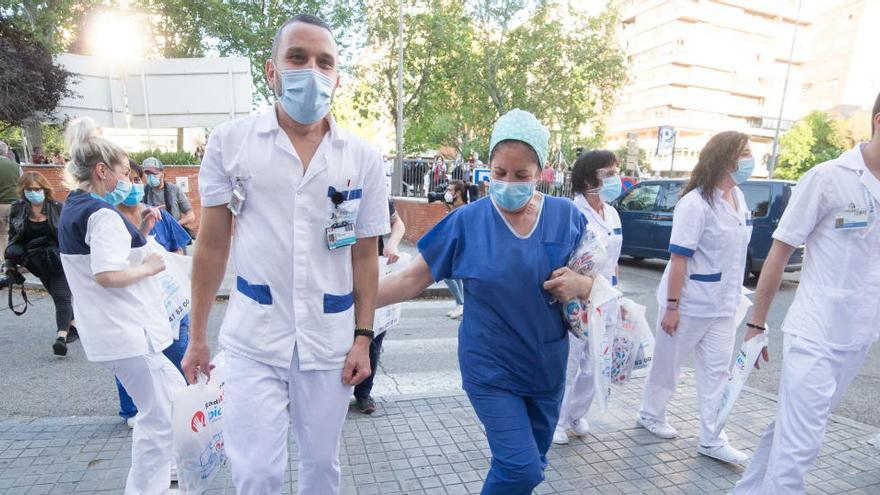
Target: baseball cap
<point x="152" y="164"/>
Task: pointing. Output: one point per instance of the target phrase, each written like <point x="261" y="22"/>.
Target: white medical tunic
<point x="114" y="323"/>
<point x="716" y="239"/>
<point x="291" y="289"/>
<point x="838" y="299"/>
<point x="609" y="230"/>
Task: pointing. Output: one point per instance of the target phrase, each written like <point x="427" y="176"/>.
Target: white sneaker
<point x="130" y="421"/>
<point x="456" y="313"/>
<point x="724" y="453"/>
<point x="580" y="427"/>
<point x="560" y="437"/>
<point x="662" y="430"/>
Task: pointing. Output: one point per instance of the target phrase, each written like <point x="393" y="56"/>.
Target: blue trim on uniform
<point x="749" y="221"/>
<point x="676" y="249"/>
<point x="712" y="277"/>
<point x="614" y="280"/>
<point x="618" y="231"/>
<point x="259" y="293"/>
<point x="338" y="304"/>
<point x="74" y="223"/>
<point x="346" y="195"/>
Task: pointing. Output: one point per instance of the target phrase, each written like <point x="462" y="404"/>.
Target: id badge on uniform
<point x="851" y="219"/>
<point x="340" y="235"/>
<point x="236" y="203"/>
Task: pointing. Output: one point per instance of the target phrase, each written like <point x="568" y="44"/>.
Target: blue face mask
<point x="744" y="169"/>
<point x="306" y="95"/>
<point x="117" y="195"/>
<point x="153" y="180"/>
<point x="35" y="197"/>
<point x="135" y="196"/>
<point x="511" y="196"/>
<point x="611" y="188"/>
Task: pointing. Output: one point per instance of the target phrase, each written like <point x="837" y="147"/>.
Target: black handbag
<point x="42" y="257"/>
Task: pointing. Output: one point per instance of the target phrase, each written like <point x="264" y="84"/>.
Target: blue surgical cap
<point x="519" y="125"/>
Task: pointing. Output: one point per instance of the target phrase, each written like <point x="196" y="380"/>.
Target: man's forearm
<point x="209" y="267"/>
<point x="398" y="229"/>
<point x="771" y="278"/>
<point x="365" y="267"/>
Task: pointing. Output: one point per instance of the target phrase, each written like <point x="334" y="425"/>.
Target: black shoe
<point x="72" y="336"/>
<point x="365" y="406"/>
<point x="60" y="347"/>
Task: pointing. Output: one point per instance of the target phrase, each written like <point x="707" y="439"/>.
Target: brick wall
<point x="419" y="216"/>
<point x="55" y="175"/>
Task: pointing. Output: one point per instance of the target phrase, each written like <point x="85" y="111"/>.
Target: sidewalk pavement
<point x="435" y="445"/>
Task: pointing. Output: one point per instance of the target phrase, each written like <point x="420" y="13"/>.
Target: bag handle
<point x="23" y="296"/>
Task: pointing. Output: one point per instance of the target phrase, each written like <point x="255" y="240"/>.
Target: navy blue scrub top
<point x="511" y="336"/>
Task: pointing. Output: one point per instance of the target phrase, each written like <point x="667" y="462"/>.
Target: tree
<point x="30" y="82"/>
<point x="811" y="141"/>
<point x="468" y="62"/>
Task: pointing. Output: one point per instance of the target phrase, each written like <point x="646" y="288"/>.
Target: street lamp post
<point x="771" y="166"/>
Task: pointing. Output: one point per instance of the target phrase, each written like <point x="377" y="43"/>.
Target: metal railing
<point x="423" y="176"/>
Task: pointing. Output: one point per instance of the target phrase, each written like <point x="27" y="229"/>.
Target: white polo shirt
<point x="291" y="290"/>
<point x="610" y="231"/>
<point x="838" y="300"/>
<point x="115" y="323"/>
<point x="716" y="239"/>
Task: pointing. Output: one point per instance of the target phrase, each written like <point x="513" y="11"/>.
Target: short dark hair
<point x="135" y="167"/>
<point x="461" y="188"/>
<point x="306" y="18"/>
<point x="584" y="175"/>
<point x="874" y="114"/>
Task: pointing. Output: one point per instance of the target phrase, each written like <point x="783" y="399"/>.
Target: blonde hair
<point x="87" y="148"/>
<point x="37" y="178"/>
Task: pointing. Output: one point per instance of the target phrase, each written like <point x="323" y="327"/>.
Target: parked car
<point x="646" y="217"/>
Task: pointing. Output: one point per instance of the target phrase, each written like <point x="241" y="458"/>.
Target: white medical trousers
<point x="579" y="389"/>
<point x="261" y="402"/>
<point x="712" y="340"/>
<point x="151" y="381"/>
<point x="814" y="378"/>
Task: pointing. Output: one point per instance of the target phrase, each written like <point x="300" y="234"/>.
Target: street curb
<point x="840" y="419"/>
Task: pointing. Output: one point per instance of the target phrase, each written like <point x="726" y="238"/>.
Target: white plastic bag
<point x="635" y="313"/>
<point x="627" y="342"/>
<point x="175" y="284"/>
<point x="197" y="421"/>
<point x="389" y="316"/>
<point x="742" y="368"/>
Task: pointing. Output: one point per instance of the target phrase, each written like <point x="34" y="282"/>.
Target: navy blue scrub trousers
<point x="519" y="429"/>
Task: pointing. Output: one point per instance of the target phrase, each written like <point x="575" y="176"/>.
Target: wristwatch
<point x="365" y="332"/>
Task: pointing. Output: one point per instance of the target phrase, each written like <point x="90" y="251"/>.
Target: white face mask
<point x="449" y="197"/>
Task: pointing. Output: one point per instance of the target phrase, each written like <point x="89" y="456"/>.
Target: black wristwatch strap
<point x="364" y="332"/>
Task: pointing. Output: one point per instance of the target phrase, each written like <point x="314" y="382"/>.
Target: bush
<point x="167" y="157"/>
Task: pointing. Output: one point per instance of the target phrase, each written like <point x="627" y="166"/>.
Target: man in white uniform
<point x="835" y="316"/>
<point x="308" y="201"/>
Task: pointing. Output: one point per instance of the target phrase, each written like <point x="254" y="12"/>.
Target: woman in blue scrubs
<point x="510" y="250"/>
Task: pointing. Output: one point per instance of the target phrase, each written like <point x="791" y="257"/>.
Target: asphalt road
<point x="419" y="359"/>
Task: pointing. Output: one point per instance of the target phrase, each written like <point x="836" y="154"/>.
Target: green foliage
<point x="813" y="140"/>
<point x="166" y="157"/>
<point x="246" y="28"/>
<point x="32" y="83"/>
<point x="468" y="62"/>
<point x="643" y="162"/>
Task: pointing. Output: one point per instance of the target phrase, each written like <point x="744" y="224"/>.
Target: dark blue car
<point x="646" y="216"/>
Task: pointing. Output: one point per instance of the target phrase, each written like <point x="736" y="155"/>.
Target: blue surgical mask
<point x="306" y="95"/>
<point x="153" y="180"/>
<point x="135" y="196"/>
<point x="117" y="195"/>
<point x="511" y="196"/>
<point x="611" y="188"/>
<point x="744" y="169"/>
<point x="35" y="197"/>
